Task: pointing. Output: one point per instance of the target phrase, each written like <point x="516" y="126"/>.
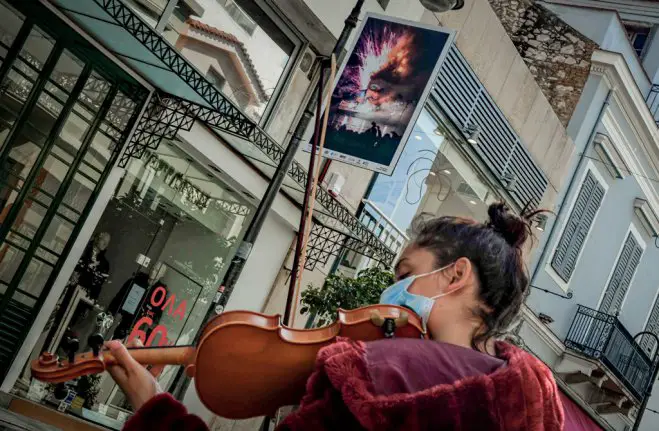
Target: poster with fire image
<point x="380" y="91"/>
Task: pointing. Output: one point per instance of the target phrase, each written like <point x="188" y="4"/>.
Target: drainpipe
<point x="580" y="163"/>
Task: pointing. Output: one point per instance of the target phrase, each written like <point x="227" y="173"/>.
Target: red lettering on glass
<point x="162" y="297"/>
<point x="180" y="310"/>
<point x="170" y="301"/>
<point x="158" y="300"/>
<point x="162" y="330"/>
<point x="138" y="333"/>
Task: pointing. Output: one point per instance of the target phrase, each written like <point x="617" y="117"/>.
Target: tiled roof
<point x="240" y="48"/>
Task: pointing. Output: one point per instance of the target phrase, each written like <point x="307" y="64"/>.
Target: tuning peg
<point x="95" y="341"/>
<point x="71" y="347"/>
<point x="60" y="392"/>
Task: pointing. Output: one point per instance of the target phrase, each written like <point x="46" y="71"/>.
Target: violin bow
<point x="314" y="187"/>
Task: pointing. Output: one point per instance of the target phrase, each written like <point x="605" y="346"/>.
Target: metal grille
<point x="13" y="321"/>
<point x="602" y="336"/>
<point x="462" y="96"/>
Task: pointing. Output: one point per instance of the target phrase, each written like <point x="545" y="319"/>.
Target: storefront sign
<point x="381" y="88"/>
<point x="144" y="325"/>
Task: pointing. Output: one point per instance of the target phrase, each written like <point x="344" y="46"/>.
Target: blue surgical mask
<point x="398" y="294"/>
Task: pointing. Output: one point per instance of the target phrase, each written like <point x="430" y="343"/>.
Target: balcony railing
<point x="653" y="102"/>
<point x="601" y="336"/>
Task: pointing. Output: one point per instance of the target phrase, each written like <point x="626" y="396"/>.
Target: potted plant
<point x="344" y="292"/>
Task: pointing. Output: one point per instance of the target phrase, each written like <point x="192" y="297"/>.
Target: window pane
<point x="57" y="235"/>
<point x="236" y="45"/>
<point x="29" y="218"/>
<point x="35" y="278"/>
<point x="10" y="258"/>
<point x="9" y="26"/>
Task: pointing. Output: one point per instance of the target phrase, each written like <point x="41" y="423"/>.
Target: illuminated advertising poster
<point x="380" y="90"/>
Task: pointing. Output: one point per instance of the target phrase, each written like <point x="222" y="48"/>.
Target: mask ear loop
<point x="441" y="295"/>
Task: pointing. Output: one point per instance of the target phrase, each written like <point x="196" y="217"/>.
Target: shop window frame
<point x="289" y="31"/>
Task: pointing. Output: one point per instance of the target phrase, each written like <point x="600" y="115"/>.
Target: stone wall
<point x="556" y="54"/>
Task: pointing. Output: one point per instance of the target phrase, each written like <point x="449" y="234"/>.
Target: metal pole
<point x="235" y="267"/>
<point x="296" y="271"/>
<point x="252" y="232"/>
<point x="648" y="389"/>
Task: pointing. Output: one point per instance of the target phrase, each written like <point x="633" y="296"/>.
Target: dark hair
<point x="495" y="249"/>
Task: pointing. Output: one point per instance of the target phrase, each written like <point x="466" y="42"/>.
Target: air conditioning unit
<point x="307" y="61"/>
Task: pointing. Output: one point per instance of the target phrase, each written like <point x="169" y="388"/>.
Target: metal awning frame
<point x="167" y="114"/>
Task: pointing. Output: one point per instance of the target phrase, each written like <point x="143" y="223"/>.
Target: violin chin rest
<point x="190" y="370"/>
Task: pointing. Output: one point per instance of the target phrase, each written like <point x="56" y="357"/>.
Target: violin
<point x="246" y="364"/>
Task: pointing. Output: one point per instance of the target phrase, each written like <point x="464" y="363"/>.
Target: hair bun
<point x="513" y="228"/>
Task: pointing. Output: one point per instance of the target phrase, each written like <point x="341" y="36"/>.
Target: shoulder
<point x="411" y="365"/>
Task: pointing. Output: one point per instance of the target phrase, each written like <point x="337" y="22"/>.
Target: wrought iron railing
<point x="602" y="336"/>
<point x="653" y="102"/>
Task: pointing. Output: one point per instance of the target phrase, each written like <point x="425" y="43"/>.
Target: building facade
<point x="139" y="136"/>
<point x="594" y="278"/>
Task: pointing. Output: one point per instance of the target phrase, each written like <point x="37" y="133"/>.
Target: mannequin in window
<point x="132" y="300"/>
<point x="93" y="268"/>
<point x="90" y="274"/>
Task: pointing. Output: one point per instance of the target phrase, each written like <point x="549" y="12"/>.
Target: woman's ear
<point x="462" y="274"/>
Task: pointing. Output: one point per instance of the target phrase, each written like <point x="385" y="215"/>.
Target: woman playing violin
<point x="467" y="281"/>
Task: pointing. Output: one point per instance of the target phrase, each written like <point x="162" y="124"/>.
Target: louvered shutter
<point x="462" y="96"/>
<point x="577" y="227"/>
<point x="622" y="276"/>
<point x="647" y="342"/>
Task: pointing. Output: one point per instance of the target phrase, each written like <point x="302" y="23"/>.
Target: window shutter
<point x="577" y="227"/>
<point x="622" y="276"/>
<point x="647" y="342"/>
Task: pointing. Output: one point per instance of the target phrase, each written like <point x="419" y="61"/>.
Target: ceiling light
<point x="438" y="131"/>
<point x="442" y="5"/>
<point x="541" y="219"/>
<point x="472" y="132"/>
<point x="418" y="137"/>
<point x="473" y="202"/>
<point x="447" y="172"/>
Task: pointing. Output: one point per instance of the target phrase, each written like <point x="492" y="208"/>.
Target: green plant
<point x="344" y="292"/>
<point x="87" y="388"/>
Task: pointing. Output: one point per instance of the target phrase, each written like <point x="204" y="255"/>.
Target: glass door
<point x="62" y="123"/>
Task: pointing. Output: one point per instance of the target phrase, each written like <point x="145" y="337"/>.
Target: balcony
<point x="601" y="336"/>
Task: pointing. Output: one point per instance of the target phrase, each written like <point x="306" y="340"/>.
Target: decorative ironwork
<point x="232" y="207"/>
<point x="169" y="114"/>
<point x="325" y="242"/>
<point x="159" y="47"/>
<point x="602" y="336"/>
